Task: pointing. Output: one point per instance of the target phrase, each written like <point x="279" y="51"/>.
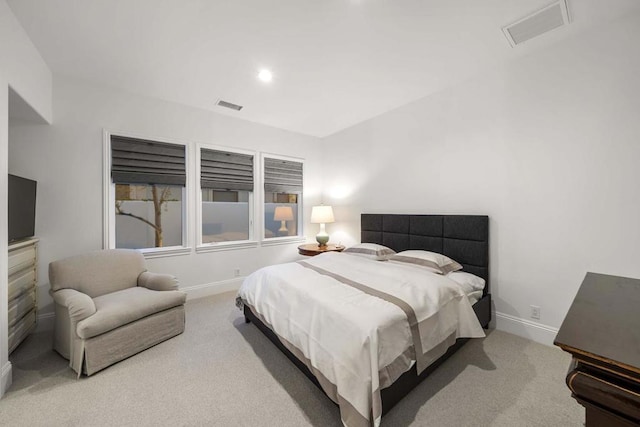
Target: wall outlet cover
<point x="535" y="312"/>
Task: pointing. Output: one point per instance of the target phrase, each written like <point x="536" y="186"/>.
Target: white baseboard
<point x="525" y="328"/>
<point x="208" y="289"/>
<point x="6" y="378"/>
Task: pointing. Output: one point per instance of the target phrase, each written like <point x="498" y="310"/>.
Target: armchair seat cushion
<point x="125" y="306"/>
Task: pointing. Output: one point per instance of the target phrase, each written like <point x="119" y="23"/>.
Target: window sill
<point x="226" y="246"/>
<point x="283" y="240"/>
<point x="165" y="252"/>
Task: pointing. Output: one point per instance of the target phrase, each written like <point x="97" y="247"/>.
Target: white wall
<point x="547" y="146"/>
<point x="5" y="366"/>
<point x="67" y="161"/>
<point x="22" y="68"/>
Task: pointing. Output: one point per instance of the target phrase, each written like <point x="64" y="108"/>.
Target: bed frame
<point x="464" y="238"/>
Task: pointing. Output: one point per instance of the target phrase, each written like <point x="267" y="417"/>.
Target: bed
<point x="464" y="238"/>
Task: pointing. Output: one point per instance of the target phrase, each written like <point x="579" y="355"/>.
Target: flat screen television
<point x="22" y="208"/>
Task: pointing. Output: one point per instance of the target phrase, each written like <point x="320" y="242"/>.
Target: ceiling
<point x="335" y="62"/>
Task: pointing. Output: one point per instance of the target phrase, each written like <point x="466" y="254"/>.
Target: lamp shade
<point x="283" y="213"/>
<point x="322" y="215"/>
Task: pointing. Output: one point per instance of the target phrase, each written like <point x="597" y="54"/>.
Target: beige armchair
<point x="109" y="307"/>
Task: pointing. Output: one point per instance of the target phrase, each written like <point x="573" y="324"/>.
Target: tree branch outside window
<point x="160" y="197"/>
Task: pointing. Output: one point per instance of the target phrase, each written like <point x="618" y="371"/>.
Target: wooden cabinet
<point x="602" y="333"/>
<point x="22" y="295"/>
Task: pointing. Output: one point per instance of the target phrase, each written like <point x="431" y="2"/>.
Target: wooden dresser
<point x="23" y="303"/>
<point x="602" y="333"/>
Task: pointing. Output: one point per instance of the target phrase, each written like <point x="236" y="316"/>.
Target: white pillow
<point x="467" y="281"/>
<point x="436" y="262"/>
<point x="370" y="250"/>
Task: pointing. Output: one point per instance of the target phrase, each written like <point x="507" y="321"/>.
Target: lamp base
<point x="322" y="239"/>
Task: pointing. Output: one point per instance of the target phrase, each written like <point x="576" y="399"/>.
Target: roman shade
<point x="222" y="170"/>
<point x="282" y="176"/>
<point x="138" y="161"/>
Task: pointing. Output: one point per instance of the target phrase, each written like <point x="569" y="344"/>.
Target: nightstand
<point x="312" y="249"/>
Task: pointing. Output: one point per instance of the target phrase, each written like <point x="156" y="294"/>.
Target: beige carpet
<point x="223" y="372"/>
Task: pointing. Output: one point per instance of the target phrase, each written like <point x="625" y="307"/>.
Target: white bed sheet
<point x="350" y="338"/>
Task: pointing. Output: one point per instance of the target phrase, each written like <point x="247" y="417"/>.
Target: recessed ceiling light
<point x="265" y="75"/>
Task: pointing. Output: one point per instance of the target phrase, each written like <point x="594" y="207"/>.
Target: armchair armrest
<point x="80" y="305"/>
<point x="158" y="282"/>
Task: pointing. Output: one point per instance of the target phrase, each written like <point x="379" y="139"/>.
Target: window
<point x="226" y="181"/>
<point x="282" y="197"/>
<point x="147" y="193"/>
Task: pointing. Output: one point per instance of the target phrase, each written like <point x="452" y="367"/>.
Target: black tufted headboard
<point x="464" y="238"/>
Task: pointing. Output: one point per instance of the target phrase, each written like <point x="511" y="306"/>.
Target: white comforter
<point x="323" y="310"/>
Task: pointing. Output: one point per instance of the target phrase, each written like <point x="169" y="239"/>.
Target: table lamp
<point x="283" y="214"/>
<point x="322" y="215"/>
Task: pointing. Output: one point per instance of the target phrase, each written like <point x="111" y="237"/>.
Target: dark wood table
<point x="602" y="333"/>
<point x="312" y="249"/>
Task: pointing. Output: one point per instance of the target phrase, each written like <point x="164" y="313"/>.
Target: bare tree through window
<point x="160" y="196"/>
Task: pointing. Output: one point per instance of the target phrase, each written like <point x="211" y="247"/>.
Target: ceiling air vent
<point x="546" y="19"/>
<point x="229" y="105"/>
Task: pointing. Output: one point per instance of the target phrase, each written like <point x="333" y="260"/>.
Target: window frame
<point x="282" y="240"/>
<point x="109" y="194"/>
<point x="251" y="242"/>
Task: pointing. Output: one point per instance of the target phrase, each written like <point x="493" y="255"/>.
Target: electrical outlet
<point x="236" y="272"/>
<point x="535" y="312"/>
